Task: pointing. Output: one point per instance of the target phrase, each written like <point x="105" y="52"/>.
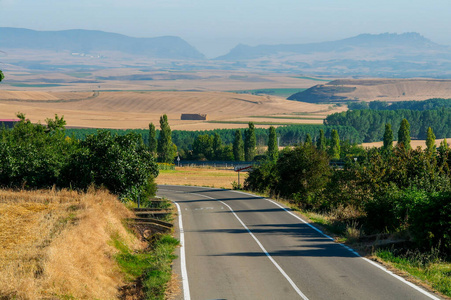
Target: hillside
<point x="381" y="55"/>
<point x="138" y="109"/>
<point x="345" y="90"/>
<point x="96" y="43"/>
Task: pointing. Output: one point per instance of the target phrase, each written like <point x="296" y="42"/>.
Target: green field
<point x="35" y="85"/>
<point x="310" y="78"/>
<point x="79" y="74"/>
<point x="274" y="92"/>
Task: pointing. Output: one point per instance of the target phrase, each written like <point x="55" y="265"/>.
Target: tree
<point x="321" y="142"/>
<point x="217" y="146"/>
<point x="250" y="143"/>
<point x="166" y="149"/>
<point x="404" y="135"/>
<point x="430" y="141"/>
<point x="1" y="75"/>
<point x="388" y="137"/>
<point x="203" y="147"/>
<point x="152" y="139"/>
<point x="335" y="147"/>
<point x="308" y="140"/>
<point x="238" y="146"/>
<point x="273" y="151"/>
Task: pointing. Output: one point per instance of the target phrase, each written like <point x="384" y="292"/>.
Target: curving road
<point x="239" y="246"/>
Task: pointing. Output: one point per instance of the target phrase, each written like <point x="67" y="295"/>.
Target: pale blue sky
<point x="216" y="26"/>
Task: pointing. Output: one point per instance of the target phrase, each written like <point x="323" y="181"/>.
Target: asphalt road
<point x="239" y="246"/>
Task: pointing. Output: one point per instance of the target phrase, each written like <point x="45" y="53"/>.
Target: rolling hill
<point x="92" y="42"/>
<point x="344" y="90"/>
<point x="380" y="55"/>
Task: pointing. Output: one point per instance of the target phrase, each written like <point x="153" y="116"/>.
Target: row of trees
<point x="429" y="104"/>
<point x="42" y="156"/>
<point x="389" y="189"/>
<point x="370" y="123"/>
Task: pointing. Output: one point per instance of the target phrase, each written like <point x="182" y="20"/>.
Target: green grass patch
<point x="153" y="267"/>
<point x="288" y="118"/>
<point x="35" y="85"/>
<point x="311" y="78"/>
<point x="79" y="74"/>
<point x="255" y="123"/>
<point x="282" y="92"/>
<point x="424" y="266"/>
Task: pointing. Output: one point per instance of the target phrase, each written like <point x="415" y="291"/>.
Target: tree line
<point x="218" y="144"/>
<point x="392" y="189"/>
<point x="370" y="123"/>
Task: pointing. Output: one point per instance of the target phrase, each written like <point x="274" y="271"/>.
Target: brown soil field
<point x="395" y="89"/>
<point x="56" y="244"/>
<point x="138" y="109"/>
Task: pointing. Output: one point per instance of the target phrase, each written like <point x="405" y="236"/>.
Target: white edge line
<point x="426" y="293"/>
<point x="298" y="291"/>
<point x="185" y="283"/>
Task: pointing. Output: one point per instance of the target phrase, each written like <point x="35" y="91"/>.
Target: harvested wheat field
<point x="137" y="109"/>
<point x="200" y="176"/>
<point x="394" y="89"/>
<point x="55" y="244"/>
<point x="413" y="143"/>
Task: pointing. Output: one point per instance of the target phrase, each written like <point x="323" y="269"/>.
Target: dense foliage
<point x="42" y="156"/>
<point x="370" y="124"/>
<point x="394" y="190"/>
<point x="430" y="104"/>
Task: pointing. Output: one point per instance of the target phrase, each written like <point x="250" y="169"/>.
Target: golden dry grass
<point x="55" y="244"/>
<point x="200" y="176"/>
<point x="397" y="89"/>
<point x="413" y="143"/>
<point x="138" y="109"/>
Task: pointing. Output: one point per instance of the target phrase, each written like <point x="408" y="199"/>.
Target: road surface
<point x="239" y="246"/>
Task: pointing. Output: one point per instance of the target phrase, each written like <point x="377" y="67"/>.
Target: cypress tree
<point x="321" y="142"/>
<point x="404" y="134"/>
<point x="388" y="137"/>
<point x="217" y="146"/>
<point x="166" y="149"/>
<point x="430" y="141"/>
<point x="273" y="151"/>
<point x="238" y="147"/>
<point x="335" y="147"/>
<point x="152" y="139"/>
<point x="250" y="143"/>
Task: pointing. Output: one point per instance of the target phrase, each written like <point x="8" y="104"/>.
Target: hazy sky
<point x="216" y="26"/>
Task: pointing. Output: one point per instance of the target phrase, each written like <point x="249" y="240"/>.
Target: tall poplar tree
<point x="404" y="134"/>
<point x="335" y="147"/>
<point x="238" y="146"/>
<point x="321" y="142"/>
<point x="308" y="140"/>
<point x="166" y="148"/>
<point x="152" y="139"/>
<point x="273" y="151"/>
<point x="430" y="141"/>
<point x="217" y="146"/>
<point x="388" y="137"/>
<point x="250" y="143"/>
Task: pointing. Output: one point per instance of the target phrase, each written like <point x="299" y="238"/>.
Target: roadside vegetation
<point x="394" y="195"/>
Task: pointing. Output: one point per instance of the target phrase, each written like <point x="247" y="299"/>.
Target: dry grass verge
<point x="56" y="244"/>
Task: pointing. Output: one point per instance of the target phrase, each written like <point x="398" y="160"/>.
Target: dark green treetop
<point x="404" y="134"/>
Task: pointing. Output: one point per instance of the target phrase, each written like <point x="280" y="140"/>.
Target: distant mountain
<point x="382" y="55"/>
<point x="366" y="41"/>
<point x="91" y="41"/>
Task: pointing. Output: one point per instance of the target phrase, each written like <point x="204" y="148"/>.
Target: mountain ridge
<point x="90" y="41"/>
